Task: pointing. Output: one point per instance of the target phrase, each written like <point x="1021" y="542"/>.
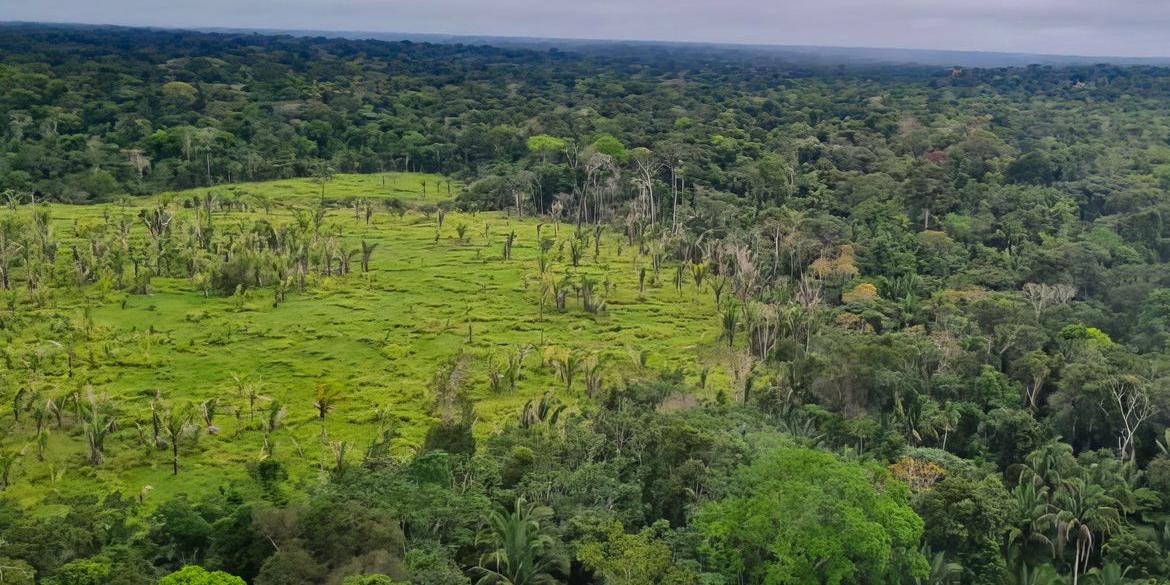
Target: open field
<point x="376" y="336"/>
<point x="410" y="188"/>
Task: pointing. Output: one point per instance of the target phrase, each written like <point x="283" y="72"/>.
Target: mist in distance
<point x="1122" y="28"/>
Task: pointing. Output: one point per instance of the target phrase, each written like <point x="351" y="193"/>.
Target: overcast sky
<point x="1081" y="27"/>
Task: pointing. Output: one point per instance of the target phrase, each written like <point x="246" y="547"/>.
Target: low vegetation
<point x="308" y="329"/>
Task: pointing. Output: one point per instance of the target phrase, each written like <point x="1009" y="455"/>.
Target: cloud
<point x="1114" y="28"/>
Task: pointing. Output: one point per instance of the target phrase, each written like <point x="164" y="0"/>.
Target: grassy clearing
<point x="410" y="188"/>
<point x="378" y="336"/>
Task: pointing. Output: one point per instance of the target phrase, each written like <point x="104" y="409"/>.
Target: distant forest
<point x="91" y="113"/>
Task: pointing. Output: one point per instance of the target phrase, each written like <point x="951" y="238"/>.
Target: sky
<point x="1130" y="28"/>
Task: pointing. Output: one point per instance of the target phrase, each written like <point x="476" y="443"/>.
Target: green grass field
<point x="410" y="188"/>
<point x="378" y="336"/>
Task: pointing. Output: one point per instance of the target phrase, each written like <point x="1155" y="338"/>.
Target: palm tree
<point x="1032" y="511"/>
<point x="568" y="366"/>
<point x="1041" y="575"/>
<point x="1082" y="512"/>
<point x="941" y="422"/>
<point x="322" y="173"/>
<point x="594" y="375"/>
<point x="42" y="443"/>
<point x="717" y="284"/>
<point x="250" y="392"/>
<point x="542" y="413"/>
<point x="156" y="413"/>
<point x="207" y="409"/>
<point x="72" y="399"/>
<point x="326" y="399"/>
<point x="942" y="572"/>
<point x="206" y="138"/>
<point x="41" y="412"/>
<point x="18" y="403"/>
<point x="1110" y="574"/>
<point x="177" y="426"/>
<point x="345" y="257"/>
<point x="730" y="324"/>
<point x="1052" y="462"/>
<point x="97" y="426"/>
<point x="271" y="423"/>
<point x="1164" y="443"/>
<point x="367" y="251"/>
<point x="10" y="249"/>
<point x="521" y="546"/>
<point x="8" y="461"/>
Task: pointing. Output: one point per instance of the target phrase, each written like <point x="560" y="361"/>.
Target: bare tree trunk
<point x="674" y="194"/>
<point x="1076" y="564"/>
<point x="324" y="444"/>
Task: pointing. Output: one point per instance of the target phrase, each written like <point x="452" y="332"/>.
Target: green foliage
<point x="236" y="542"/>
<point x="632" y="559"/>
<point x="545" y="145"/>
<point x="797" y="515"/>
<point x="432" y="565"/>
<point x="966" y="519"/>
<point x="610" y="146"/>
<point x="290" y="566"/>
<point x="1080" y="333"/>
<point x="340" y="531"/>
<point x="1138" y="557"/>
<point x="17" y="572"/>
<point x="179" y="531"/>
<point x="521" y="547"/>
<point x="370" y="580"/>
<point x="81" y="572"/>
<point x="196" y="575"/>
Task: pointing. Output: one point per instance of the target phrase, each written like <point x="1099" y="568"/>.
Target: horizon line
<point x="268" y="31"/>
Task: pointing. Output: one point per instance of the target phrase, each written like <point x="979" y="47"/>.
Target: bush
<point x="370" y="580"/>
<point x="196" y="575"/>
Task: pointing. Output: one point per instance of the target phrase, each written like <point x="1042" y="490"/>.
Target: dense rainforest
<point x="942" y="296"/>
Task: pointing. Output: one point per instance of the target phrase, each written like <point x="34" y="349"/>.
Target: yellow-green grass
<point x="379" y="337"/>
<point x="411" y="188"/>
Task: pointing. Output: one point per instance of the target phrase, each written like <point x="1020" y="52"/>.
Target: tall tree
<point x="178" y="425"/>
<point x="521" y="547"/>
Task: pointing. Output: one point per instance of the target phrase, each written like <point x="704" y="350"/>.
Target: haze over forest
<point x="1124" y="28"/>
